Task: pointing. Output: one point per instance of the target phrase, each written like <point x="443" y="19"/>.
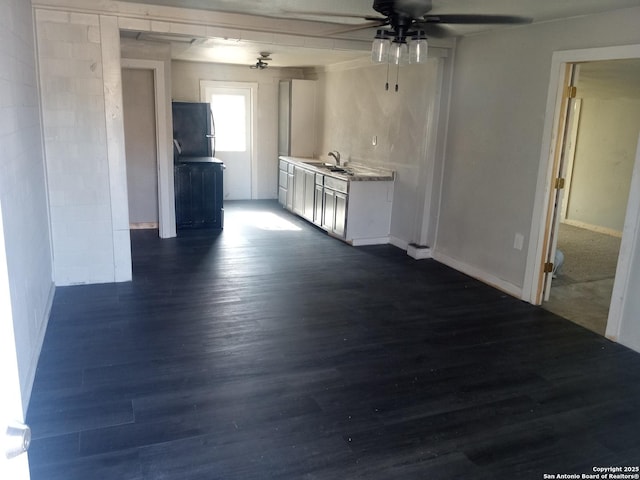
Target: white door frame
<point x="253" y="86"/>
<point x="536" y="253"/>
<point x="164" y="143"/>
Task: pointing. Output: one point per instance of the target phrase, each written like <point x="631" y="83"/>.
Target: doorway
<point x="589" y="209"/>
<point x="602" y="129"/>
<point x="232" y="107"/>
<point x="140" y="147"/>
<point x="164" y="141"/>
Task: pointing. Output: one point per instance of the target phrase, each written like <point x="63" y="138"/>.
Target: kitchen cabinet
<point x="198" y="192"/>
<point x="355" y="209"/>
<point x="317" y="199"/>
<point x="309" y="195"/>
<point x="290" y="169"/>
<point x="285" y="184"/>
<point x="304" y="192"/>
<point x="335" y="199"/>
<point x="297" y="118"/>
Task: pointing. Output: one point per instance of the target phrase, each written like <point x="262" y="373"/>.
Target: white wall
<point x="605" y="154"/>
<point x="140" y="142"/>
<point x="23" y="188"/>
<point x="354" y="107"/>
<point x="82" y="107"/>
<point x="497" y="113"/>
<point x="185" y="82"/>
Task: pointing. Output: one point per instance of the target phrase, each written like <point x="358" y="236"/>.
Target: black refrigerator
<point x="197" y="173"/>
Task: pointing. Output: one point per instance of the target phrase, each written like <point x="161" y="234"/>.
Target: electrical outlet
<point x="518" y="241"/>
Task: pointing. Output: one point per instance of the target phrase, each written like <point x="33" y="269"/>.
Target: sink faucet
<point x="335" y="154"/>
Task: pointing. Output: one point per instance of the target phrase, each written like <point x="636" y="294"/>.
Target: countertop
<point x="187" y="159"/>
<point x="354" y="172"/>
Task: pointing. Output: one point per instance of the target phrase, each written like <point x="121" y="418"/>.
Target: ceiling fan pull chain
<point x="397" y="75"/>
<point x="386" y="85"/>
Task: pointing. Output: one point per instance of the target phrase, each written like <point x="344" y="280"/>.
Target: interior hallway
<point x="270" y="350"/>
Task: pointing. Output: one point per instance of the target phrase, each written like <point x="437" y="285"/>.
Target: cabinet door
<point x="283" y="180"/>
<point x="317" y="211"/>
<point x="290" y="191"/>
<point x="198" y="194"/>
<point x="340" y="219"/>
<point x="302" y="126"/>
<point x="182" y="185"/>
<point x="309" y="194"/>
<point x="298" y="190"/>
<point x="329" y="210"/>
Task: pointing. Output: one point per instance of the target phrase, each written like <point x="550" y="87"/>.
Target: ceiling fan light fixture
<point x="399" y="52"/>
<point x="380" y="48"/>
<point x="418" y="47"/>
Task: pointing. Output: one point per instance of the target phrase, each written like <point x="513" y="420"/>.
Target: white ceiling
<point x="245" y="52"/>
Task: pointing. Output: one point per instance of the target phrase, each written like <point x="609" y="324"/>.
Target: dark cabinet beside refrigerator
<point x="197" y="174"/>
<point x="198" y="192"/>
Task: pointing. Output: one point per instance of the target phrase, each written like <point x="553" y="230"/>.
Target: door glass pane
<point x="229" y="113"/>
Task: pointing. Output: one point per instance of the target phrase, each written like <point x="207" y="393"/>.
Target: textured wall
<point x="354" y="107"/>
<point x="22" y="187"/>
<point x="73" y="104"/>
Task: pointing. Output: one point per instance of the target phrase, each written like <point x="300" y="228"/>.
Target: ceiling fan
<point x="261" y="64"/>
<point x="404" y="25"/>
<point x="403" y="18"/>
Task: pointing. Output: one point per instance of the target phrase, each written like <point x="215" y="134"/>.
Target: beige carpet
<point x="581" y="291"/>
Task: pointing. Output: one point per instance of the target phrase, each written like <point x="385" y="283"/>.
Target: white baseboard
<point x="478" y="274"/>
<point x="27" y="387"/>
<point x="398" y="242"/>
<point x="593" y="228"/>
<point x="418" y="252"/>
<point x="143" y="226"/>
<point x="360" y="242"/>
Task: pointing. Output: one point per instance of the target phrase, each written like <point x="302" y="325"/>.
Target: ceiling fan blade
<point x="435" y="30"/>
<point x="477" y="19"/>
<point x="369" y="18"/>
<point x="362" y="26"/>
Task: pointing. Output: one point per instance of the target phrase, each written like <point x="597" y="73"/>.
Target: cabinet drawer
<point x="319" y="179"/>
<point x="283" y="165"/>
<point x="336" y="184"/>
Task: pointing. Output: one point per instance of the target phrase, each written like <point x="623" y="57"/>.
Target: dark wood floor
<point x="273" y="351"/>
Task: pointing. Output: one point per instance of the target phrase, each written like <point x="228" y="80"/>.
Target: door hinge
<point x="559" y="183"/>
<point x="572" y="91"/>
<point x="548" y="267"/>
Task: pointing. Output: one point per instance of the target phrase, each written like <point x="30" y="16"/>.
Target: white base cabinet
<point x="358" y="212"/>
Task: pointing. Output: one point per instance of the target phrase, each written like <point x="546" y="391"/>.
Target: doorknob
<point x="17" y="439"/>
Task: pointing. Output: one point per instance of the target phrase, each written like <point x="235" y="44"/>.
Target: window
<point x="229" y="113"/>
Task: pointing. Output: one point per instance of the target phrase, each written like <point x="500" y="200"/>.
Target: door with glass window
<point x="231" y="106"/>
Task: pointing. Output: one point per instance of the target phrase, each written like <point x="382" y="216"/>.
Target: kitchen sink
<point x="329" y="166"/>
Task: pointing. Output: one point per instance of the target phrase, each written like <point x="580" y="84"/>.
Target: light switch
<point x="518" y="241"/>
